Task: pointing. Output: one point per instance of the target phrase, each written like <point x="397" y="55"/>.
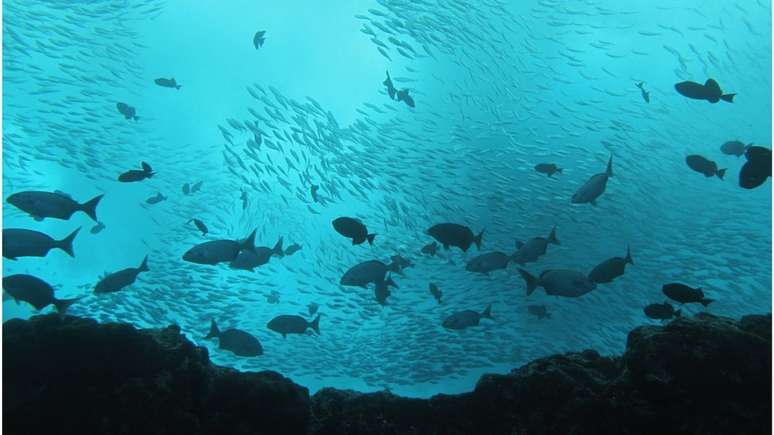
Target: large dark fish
<point x="249" y="259"/>
<point x="292" y="324"/>
<point x="127" y="110"/>
<point x="704" y="166"/>
<point x="663" y="311"/>
<point x="467" y="318"/>
<point x="259" y="39"/>
<point x="116" y="281"/>
<point x="594" y="187"/>
<point x="449" y="234"/>
<point x="548" y="168"/>
<point x="757" y="169"/>
<point x="559" y="282"/>
<point x="219" y="251"/>
<point x="405" y="97"/>
<point x="29" y="243"/>
<point x="684" y="294"/>
<point x="136" y="175"/>
<point x="42" y="205"/>
<point x="362" y="274"/>
<point x="353" y="229"/>
<point x="709" y="91"/>
<point x="534" y="248"/>
<point x="611" y="268"/>
<point x="167" y="83"/>
<point x="734" y="148"/>
<point x="488" y="262"/>
<point x="390" y="88"/>
<point x="35" y="292"/>
<point x="235" y="340"/>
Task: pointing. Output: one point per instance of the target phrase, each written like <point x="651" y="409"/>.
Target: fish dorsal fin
<point x="712" y="85"/>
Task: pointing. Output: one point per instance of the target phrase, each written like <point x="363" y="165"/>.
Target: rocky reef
<point x="68" y="375"/>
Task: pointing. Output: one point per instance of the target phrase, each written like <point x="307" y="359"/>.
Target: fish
<point x="435" y="291"/>
<point x="539" y="311"/>
<point x="19" y="242"/>
<point x="390" y="88"/>
<point x="314" y="188"/>
<point x="186" y="189"/>
<point x="488" y="262"/>
<point x="97" y="228"/>
<point x="312" y="308"/>
<point x="548" y="168"/>
<point x="430" y="249"/>
<point x="465" y="319"/>
<point x="450" y="234"/>
<point x="249" y="259"/>
<point x="167" y="83"/>
<point x="118" y="280"/>
<point x="128" y="111"/>
<point x="405" y="97"/>
<point x="34" y="291"/>
<point x="611" y="268"/>
<point x="398" y="264"/>
<point x="645" y="94"/>
<point x="41" y="205"/>
<point x="243" y="197"/>
<point x="362" y="274"/>
<point x="238" y="342"/>
<point x="292" y="249"/>
<point x="709" y="91"/>
<point x="354" y="229"/>
<point x="534" y="248"/>
<point x="199" y="225"/>
<point x="559" y="282"/>
<point x="663" y="311"/>
<point x="293" y="324"/>
<point x="594" y="187"/>
<point x="219" y="251"/>
<point x="259" y="39"/>
<point x="684" y="294"/>
<point x="156" y="199"/>
<point x="734" y="148"/>
<point x="757" y="168"/>
<point x="134" y="175"/>
<point x="704" y="166"/>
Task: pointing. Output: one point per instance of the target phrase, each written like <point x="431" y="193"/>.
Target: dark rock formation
<point x="72" y="376"/>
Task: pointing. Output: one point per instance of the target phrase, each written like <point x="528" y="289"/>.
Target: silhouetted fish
<point x="663" y="311"/>
<point x="611" y="268"/>
<point x="467" y="318"/>
<point x="259" y="39"/>
<point x="449" y="234"/>
<point x="118" y="280"/>
<point x="548" y="168"/>
<point x="127" y="110"/>
<point x="34" y="291"/>
<point x="709" y="91"/>
<point x="734" y="148"/>
<point x="237" y="341"/>
<point x="645" y="94"/>
<point x="54" y="205"/>
<point x="29" y="243"/>
<point x="292" y="324"/>
<point x="704" y="166"/>
<point x="757" y="168"/>
<point x="167" y="83"/>
<point x="559" y="282"/>
<point x="594" y="187"/>
<point x="353" y="229"/>
<point x="684" y="294"/>
<point x="136" y="175"/>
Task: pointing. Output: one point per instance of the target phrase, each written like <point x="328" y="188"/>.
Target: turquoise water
<point x="499" y="87"/>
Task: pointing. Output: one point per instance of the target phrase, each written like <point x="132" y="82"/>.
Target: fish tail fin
<point x="90" y="207"/>
<point x="214" y="331"/>
<point x="628" y="258"/>
<point x="62" y="305"/>
<point x="249" y="242"/>
<point x="706" y="301"/>
<point x="278" y="248"/>
<point x="66" y="244"/>
<point x="391" y="282"/>
<point x="728" y="97"/>
<point x="315" y="324"/>
<point x="552" y="237"/>
<point x="609" y="171"/>
<point x="144" y="265"/>
<point x="530" y="280"/>
<point x="477" y="239"/>
<point x="721" y="173"/>
<point x="371" y="238"/>
<point x="487" y="312"/>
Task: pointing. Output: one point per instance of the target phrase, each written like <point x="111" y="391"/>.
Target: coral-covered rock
<point x="694" y="375"/>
